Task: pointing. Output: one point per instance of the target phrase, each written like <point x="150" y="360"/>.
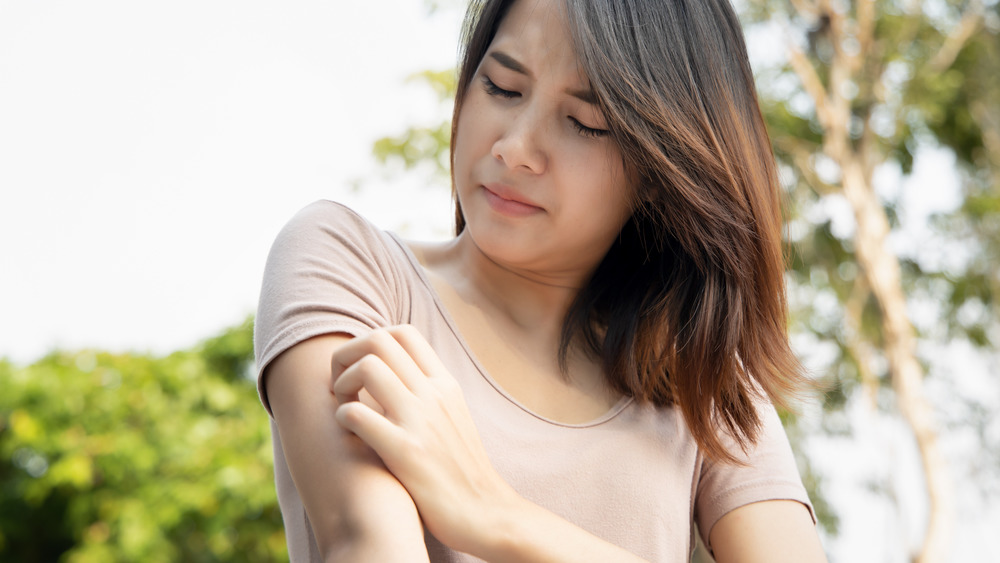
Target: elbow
<point x="359" y="550"/>
<point x="349" y="541"/>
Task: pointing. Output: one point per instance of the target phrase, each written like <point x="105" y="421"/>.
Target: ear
<point x="646" y="193"/>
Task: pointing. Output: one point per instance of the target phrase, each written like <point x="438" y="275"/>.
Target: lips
<point x="507" y="201"/>
<point x="507" y="193"/>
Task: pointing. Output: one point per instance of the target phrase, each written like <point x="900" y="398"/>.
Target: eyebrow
<point x="511" y="63"/>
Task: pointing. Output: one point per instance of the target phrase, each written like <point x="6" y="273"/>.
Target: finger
<point x="366" y="398"/>
<point x="375" y="430"/>
<point x="372" y="375"/>
<point x="382" y="344"/>
<point x="421" y="352"/>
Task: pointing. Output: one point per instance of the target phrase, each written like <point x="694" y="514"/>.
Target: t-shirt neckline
<point x="418" y="268"/>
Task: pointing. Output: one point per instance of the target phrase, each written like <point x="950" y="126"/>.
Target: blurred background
<point x="149" y="153"/>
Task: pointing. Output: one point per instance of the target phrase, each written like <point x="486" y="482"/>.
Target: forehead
<point x="537" y="34"/>
<point x="543" y="13"/>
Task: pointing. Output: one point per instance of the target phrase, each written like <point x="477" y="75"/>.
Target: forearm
<point x="426" y="437"/>
<point x="523" y="532"/>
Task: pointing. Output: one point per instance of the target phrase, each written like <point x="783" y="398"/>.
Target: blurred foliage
<point x="130" y="457"/>
<point x="419" y="145"/>
<point x="928" y="78"/>
<point x="931" y="79"/>
<point x="922" y="84"/>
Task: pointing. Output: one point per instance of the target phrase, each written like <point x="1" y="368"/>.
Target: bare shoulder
<point x="772" y="531"/>
<point x="432" y="255"/>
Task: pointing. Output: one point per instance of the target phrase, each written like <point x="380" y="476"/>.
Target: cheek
<point x="460" y="163"/>
<point x="611" y="191"/>
<point x="469" y="139"/>
<point x="622" y="183"/>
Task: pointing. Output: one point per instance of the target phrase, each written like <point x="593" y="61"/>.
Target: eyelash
<point x="588" y="131"/>
<point x="493" y="90"/>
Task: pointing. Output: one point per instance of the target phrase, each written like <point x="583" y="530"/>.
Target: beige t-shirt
<point x="635" y="476"/>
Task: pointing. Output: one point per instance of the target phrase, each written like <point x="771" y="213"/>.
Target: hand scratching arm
<point x="357" y="509"/>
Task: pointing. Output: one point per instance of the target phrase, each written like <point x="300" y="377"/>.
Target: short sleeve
<point x="328" y="271"/>
<point x="770" y="473"/>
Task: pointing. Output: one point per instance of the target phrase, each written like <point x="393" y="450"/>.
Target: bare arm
<point x="774" y="531"/>
<point x="527" y="533"/>
<point x="358" y="510"/>
<point x="428" y="440"/>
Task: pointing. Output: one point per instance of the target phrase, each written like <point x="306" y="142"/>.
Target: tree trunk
<point x="857" y="159"/>
<point x="881" y="269"/>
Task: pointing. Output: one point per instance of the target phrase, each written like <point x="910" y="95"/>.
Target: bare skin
<point x="345" y="488"/>
<point x="544" y="195"/>
<point x="513" y="327"/>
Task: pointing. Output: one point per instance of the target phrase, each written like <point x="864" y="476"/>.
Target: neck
<point x="532" y="301"/>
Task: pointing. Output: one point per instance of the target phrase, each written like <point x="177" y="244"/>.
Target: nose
<point x="520" y="145"/>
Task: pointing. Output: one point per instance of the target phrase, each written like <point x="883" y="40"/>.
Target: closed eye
<point x="494" y="90"/>
<point x="587" y="131"/>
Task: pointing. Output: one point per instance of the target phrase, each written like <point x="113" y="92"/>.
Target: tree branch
<point x="856" y="345"/>
<point x="989" y="125"/>
<point x="806" y="8"/>
<point x="959" y="36"/>
<point x="881" y="268"/>
<point x="812" y="84"/>
<point x="866" y="26"/>
<point x="801" y="160"/>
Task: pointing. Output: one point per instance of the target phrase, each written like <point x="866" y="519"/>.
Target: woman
<point x="584" y="372"/>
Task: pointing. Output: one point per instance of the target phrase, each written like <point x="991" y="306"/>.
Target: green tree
<point x="418" y="145"/>
<point x="130" y="457"/>
<point x="865" y="85"/>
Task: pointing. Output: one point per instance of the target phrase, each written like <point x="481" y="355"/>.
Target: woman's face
<point x="540" y="182"/>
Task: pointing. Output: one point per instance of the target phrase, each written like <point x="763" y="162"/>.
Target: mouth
<point x="509" y="194"/>
<point x="506" y="201"/>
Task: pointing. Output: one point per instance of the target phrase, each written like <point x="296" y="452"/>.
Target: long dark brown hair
<point x="688" y="307"/>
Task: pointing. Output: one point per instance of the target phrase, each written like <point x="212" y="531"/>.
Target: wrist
<point x="506" y="528"/>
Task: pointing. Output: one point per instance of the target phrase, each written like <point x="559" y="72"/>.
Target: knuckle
<point x="408" y="331"/>
<point x="336" y="358"/>
<point x="444" y="394"/>
<point x="350" y="413"/>
<point x="377" y="338"/>
<point x="368" y="363"/>
<point x="342" y="384"/>
<point x="450" y="386"/>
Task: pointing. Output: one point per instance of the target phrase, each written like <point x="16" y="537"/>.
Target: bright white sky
<point x="149" y="153"/>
